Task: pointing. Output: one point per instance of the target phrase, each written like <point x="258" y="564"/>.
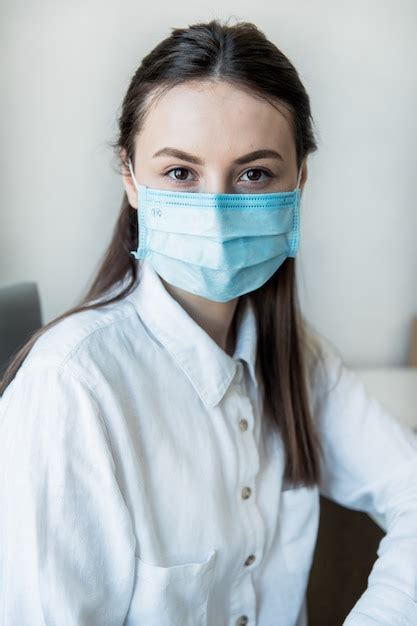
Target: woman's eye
<point x="180" y="179"/>
<point x="256" y="179"/>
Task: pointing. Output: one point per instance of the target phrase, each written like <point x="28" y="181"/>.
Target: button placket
<point x="239" y="381"/>
<point x="251" y="518"/>
<point x="243" y="601"/>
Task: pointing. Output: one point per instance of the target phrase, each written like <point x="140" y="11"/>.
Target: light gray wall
<point x="64" y="70"/>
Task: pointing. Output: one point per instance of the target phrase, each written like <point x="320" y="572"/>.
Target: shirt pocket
<point x="171" y="596"/>
<point x="300" y="512"/>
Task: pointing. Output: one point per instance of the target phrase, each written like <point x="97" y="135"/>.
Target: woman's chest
<point x="204" y="491"/>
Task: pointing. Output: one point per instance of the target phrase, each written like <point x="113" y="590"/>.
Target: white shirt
<point x="137" y="488"/>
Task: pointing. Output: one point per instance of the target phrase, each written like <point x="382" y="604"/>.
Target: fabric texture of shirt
<point x="138" y="488"/>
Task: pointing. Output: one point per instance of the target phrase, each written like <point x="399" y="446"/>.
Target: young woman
<point x="163" y="445"/>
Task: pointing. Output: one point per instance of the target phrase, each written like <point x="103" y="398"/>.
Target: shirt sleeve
<point x="66" y="541"/>
<point x="370" y="465"/>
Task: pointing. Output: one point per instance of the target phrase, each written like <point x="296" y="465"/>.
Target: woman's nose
<point x="217" y="184"/>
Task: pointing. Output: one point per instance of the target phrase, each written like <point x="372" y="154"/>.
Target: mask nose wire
<point x="132" y="174"/>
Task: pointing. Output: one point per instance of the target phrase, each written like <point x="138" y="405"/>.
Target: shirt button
<point x="250" y="559"/>
<point x="246" y="491"/>
<point x="243" y="425"/>
<point x="242" y="620"/>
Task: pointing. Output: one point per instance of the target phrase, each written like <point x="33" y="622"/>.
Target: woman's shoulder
<point x="82" y="339"/>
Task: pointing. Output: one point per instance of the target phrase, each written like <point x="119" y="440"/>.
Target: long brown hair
<point x="243" y="56"/>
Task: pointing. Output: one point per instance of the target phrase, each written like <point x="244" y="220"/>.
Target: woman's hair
<point x="243" y="56"/>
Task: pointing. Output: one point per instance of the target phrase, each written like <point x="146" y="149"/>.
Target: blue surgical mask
<point x="217" y="245"/>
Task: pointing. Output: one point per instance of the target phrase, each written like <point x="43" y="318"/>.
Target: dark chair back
<point x="20" y="316"/>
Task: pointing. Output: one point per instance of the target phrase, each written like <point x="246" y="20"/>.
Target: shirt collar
<point x="209" y="368"/>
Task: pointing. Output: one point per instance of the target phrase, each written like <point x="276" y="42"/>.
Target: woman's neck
<point x="216" y="318"/>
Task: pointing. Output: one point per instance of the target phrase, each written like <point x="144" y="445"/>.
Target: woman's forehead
<point x="214" y="116"/>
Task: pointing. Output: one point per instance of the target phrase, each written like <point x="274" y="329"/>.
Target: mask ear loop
<point x="299" y="178"/>
<point x="138" y="253"/>
<point x="131" y="173"/>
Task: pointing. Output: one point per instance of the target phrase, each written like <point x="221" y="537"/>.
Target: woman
<point x="164" y="444"/>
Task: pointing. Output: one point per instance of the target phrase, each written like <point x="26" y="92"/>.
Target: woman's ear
<point x="128" y="183"/>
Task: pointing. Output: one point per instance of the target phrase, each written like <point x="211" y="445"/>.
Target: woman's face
<point x="195" y="134"/>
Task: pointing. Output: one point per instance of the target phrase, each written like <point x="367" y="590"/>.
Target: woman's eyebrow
<point x="185" y="156"/>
